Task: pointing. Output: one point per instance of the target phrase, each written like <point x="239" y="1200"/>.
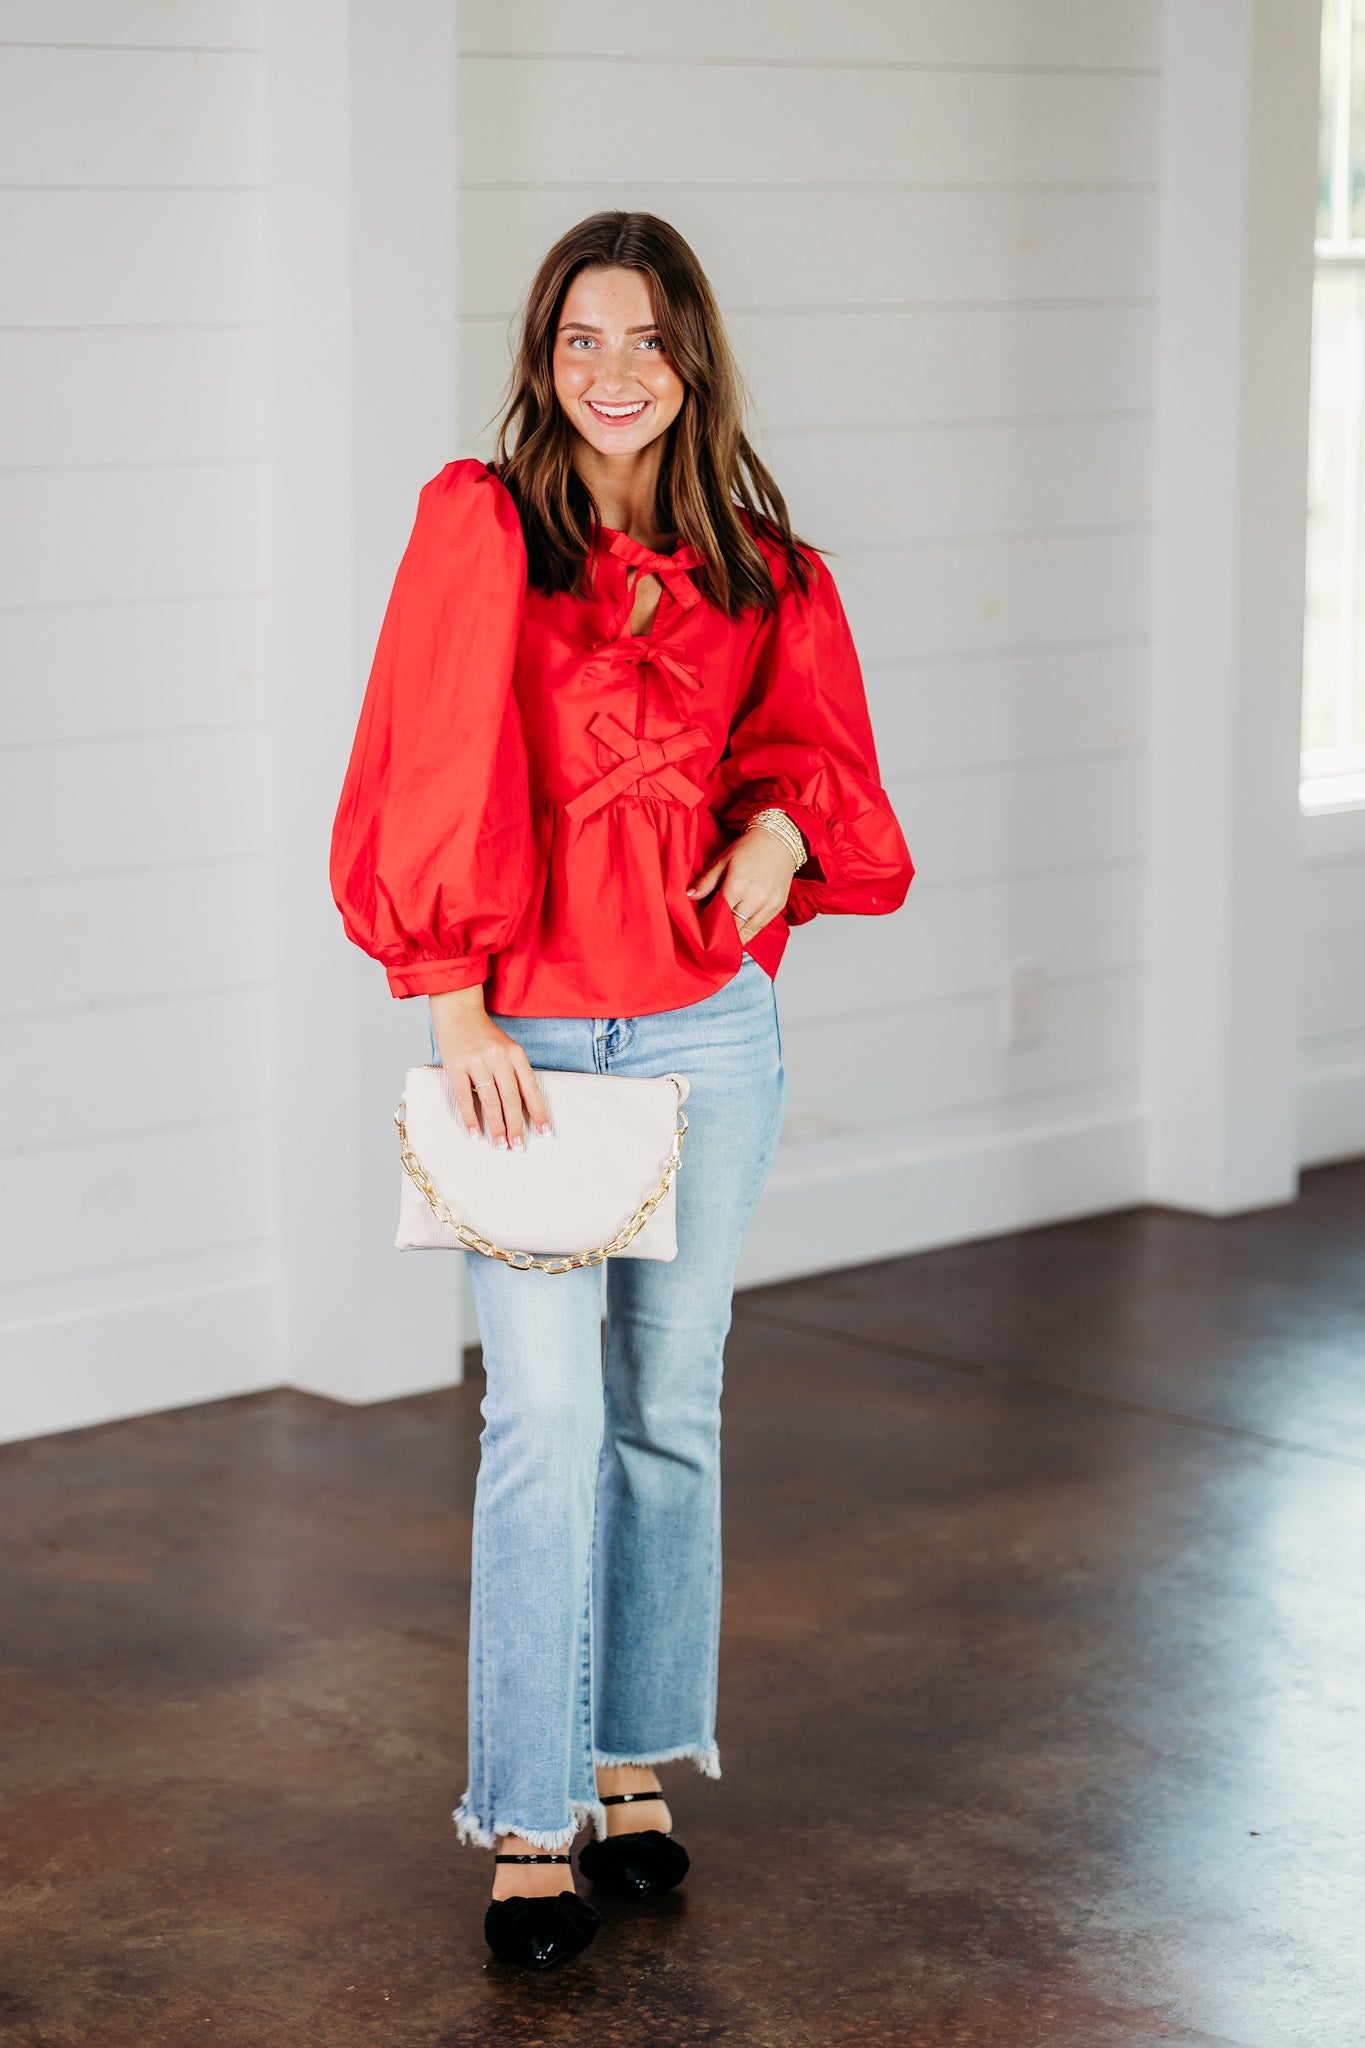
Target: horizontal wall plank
<point x="1332" y="1108"/>
<point x="948" y="943"/>
<point x="128" y="803"/>
<point x="1336" y="1057"/>
<point x="82" y="536"/>
<point x="823" y="249"/>
<point x="74" y="1300"/>
<point x="843" y="1202"/>
<point x="1124" y="34"/>
<point x="524" y="122"/>
<point x="161" y="1195"/>
<point x="1329" y="837"/>
<point x="957" y="482"/>
<point x="848" y="369"/>
<point x="135" y="1357"/>
<point x="129" y="117"/>
<point x="856" y="1073"/>
<point x="981" y="713"/>
<point x="1334" y="897"/>
<point x="85" y="670"/>
<point x="189" y="24"/>
<point x="1332" y="1000"/>
<point x="980" y="597"/>
<point x="137" y="396"/>
<point x="79" y="259"/>
<point x="130" y="938"/>
<point x="133" y="1067"/>
<point x="816" y="371"/>
<point x="826" y="1165"/>
<point x="1030" y="815"/>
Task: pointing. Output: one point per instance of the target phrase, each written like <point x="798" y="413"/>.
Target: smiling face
<point x="612" y="373"/>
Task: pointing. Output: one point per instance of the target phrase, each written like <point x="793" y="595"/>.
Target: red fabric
<point x="532" y="787"/>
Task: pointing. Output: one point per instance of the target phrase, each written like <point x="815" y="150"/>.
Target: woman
<point x="614" y="744"/>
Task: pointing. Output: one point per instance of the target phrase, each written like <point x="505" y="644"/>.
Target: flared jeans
<point x="596" y="1567"/>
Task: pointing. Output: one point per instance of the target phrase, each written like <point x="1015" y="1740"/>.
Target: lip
<point x="638" y="407"/>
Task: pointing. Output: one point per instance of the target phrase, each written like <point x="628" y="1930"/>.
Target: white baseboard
<point x="1332" y="1116"/>
<point x="846" y="1212"/>
<point x="137" y="1357"/>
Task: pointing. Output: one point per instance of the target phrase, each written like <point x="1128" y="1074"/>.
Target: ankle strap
<point x="530" y="1859"/>
<point x="624" y="1798"/>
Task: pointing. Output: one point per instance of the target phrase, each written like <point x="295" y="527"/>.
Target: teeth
<point x="617" y="412"/>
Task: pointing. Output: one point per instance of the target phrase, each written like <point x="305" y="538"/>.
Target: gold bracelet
<point x="780" y="825"/>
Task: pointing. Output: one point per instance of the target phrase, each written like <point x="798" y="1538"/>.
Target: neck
<point x="625" y="489"/>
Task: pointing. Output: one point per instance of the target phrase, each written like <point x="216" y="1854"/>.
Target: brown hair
<point x="709" y="469"/>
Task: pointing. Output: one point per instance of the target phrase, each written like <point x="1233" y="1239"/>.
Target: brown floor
<point x="1041" y="1688"/>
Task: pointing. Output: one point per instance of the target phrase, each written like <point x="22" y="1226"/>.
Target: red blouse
<point x="532" y="787"/>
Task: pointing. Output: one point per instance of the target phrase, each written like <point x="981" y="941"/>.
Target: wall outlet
<point x="1021" y="1003"/>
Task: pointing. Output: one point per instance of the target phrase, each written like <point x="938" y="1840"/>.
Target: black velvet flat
<point x="538" y="1933"/>
<point x="638" y="1865"/>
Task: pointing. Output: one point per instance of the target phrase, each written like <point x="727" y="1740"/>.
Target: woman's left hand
<point x="757" y="872"/>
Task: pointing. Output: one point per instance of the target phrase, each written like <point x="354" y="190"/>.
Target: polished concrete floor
<point x="1042" y="1692"/>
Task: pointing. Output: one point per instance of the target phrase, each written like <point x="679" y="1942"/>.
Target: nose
<point x="614" y="368"/>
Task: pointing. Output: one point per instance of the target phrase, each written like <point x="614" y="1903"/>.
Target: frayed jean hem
<point x="704" y="1755"/>
<point x="586" y="1812"/>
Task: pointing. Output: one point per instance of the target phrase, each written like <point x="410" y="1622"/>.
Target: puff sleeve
<point x="803" y="740"/>
<point x="431" y="852"/>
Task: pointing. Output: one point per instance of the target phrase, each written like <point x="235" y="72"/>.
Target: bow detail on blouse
<point x="633" y="652"/>
<point x="639" y="758"/>
<point x="671" y="570"/>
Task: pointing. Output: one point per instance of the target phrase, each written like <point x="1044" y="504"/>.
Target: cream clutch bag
<point x="600" y="1186"/>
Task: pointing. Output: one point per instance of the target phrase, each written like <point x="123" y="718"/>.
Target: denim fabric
<point x="596" y="1582"/>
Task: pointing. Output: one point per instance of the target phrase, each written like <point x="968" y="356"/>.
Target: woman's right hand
<point x="486" y="1067"/>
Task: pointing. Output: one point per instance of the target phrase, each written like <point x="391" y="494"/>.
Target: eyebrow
<point x="582" y="327"/>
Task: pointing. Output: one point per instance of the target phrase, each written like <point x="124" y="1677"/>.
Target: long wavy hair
<point x="710" y="473"/>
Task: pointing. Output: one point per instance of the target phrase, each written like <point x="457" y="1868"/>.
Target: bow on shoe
<point x="538" y="1933"/>
<point x="637" y="1865"/>
<point x="639" y="757"/>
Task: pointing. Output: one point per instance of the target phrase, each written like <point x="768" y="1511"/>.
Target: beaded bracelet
<point x="780" y="825"/>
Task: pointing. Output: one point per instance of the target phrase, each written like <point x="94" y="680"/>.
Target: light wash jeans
<point x="596" y="1570"/>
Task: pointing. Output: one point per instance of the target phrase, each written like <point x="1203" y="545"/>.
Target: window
<point x="1333" y="742"/>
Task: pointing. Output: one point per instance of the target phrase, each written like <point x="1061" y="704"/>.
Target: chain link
<point x="527" y="1262"/>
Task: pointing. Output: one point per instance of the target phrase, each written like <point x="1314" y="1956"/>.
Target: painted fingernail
<point x="544" y="1130"/>
<point x="501" y="1144"/>
<point x="517" y="1145"/>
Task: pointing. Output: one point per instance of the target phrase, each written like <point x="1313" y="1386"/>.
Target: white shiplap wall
<point x="933" y="230"/>
<point x="135" y="1227"/>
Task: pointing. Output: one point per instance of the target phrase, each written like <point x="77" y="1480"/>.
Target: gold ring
<point x="481" y="1085"/>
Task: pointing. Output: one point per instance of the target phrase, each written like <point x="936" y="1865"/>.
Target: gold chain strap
<point x="526" y="1262"/>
